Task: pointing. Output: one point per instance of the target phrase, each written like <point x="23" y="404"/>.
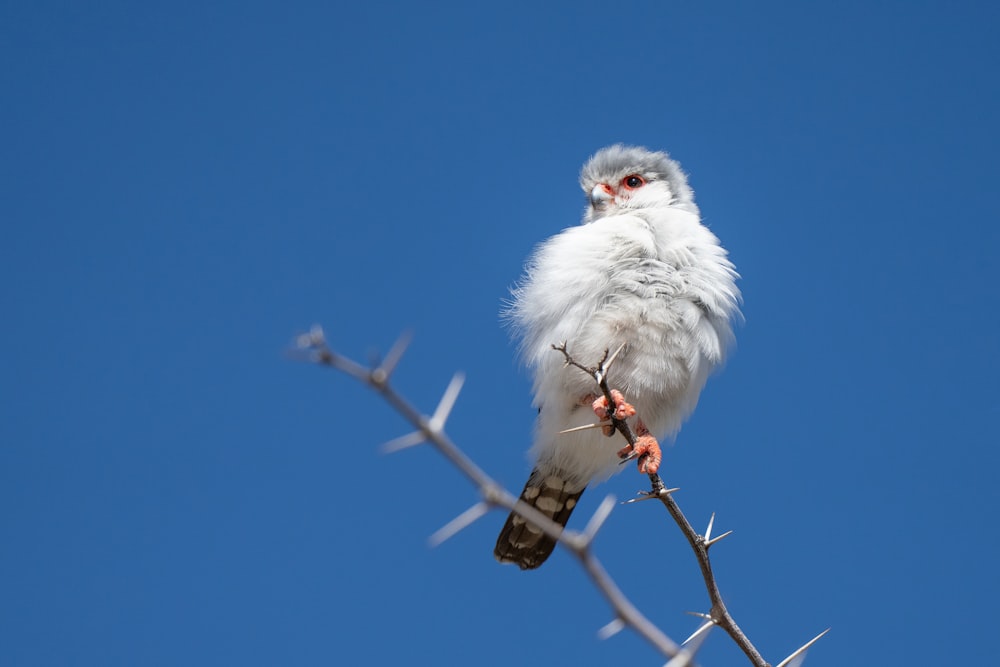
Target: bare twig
<point x="719" y="613"/>
<point x="430" y="430"/>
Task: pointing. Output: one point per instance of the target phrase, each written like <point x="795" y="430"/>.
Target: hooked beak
<point x="601" y="196"/>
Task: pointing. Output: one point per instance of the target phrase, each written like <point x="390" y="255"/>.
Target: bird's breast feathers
<point x="642" y="275"/>
<point x="650" y="275"/>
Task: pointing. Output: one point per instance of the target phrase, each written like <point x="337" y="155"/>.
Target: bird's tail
<point x="524" y="543"/>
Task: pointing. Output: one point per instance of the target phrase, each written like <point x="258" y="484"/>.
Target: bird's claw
<point x="650" y="456"/>
<point x="647" y="450"/>
<point x="627" y="453"/>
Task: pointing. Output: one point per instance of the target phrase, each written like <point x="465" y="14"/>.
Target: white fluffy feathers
<point x="641" y="270"/>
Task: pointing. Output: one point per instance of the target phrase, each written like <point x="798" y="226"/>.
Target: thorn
<point x="611" y="359"/>
<point x="447" y="402"/>
<point x="403" y="442"/>
<point x="708" y="531"/>
<point x="631" y="456"/>
<point x="643" y="496"/>
<point x="718" y="539"/>
<point x="600" y="516"/>
<point x="787" y="662"/>
<point x="646" y="495"/>
<point x="691" y="646"/>
<point x="684" y="658"/>
<point x="699" y="614"/>
<point x="394" y="355"/>
<point x="463" y="520"/>
<point x="585" y="427"/>
<point x="611" y="629"/>
<point x="703" y="629"/>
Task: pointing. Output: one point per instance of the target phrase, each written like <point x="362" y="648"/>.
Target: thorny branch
<point x="430" y="430"/>
<point x="719" y="614"/>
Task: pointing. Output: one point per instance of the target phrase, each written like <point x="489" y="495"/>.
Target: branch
<point x="719" y="614"/>
<point x="430" y="430"/>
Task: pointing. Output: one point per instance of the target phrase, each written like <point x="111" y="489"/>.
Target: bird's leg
<point x="599" y="404"/>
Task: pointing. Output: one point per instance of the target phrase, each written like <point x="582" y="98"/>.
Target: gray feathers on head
<point x="611" y="164"/>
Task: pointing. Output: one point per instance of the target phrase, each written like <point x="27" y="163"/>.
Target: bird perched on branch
<point x="642" y="273"/>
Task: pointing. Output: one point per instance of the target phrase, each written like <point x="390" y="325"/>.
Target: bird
<point x="642" y="273"/>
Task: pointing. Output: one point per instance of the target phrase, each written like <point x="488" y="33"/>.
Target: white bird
<point x="640" y="271"/>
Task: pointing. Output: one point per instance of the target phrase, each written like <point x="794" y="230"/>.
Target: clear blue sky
<point x="185" y="187"/>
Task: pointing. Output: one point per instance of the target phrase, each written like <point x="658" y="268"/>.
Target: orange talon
<point x="623" y="409"/>
<point x="648" y="451"/>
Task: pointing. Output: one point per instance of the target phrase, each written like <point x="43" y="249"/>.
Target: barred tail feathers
<point x="523" y="543"/>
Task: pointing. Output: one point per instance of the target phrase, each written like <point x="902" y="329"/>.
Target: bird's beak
<point x="601" y="196"/>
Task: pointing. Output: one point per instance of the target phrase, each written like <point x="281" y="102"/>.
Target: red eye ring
<point x="633" y="182"/>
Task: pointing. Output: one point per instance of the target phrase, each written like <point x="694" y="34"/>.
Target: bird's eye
<point x="633" y="181"/>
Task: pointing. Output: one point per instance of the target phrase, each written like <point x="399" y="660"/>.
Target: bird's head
<point x="621" y="179"/>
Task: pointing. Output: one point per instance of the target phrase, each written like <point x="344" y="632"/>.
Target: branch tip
<point x="314" y="342"/>
<point x="312" y="339"/>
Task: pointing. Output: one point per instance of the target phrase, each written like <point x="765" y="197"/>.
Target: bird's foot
<point x="622" y="409"/>
<point x="646" y="450"/>
<point x="649" y="453"/>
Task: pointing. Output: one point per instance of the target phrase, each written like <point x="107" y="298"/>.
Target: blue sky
<point x="184" y="188"/>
